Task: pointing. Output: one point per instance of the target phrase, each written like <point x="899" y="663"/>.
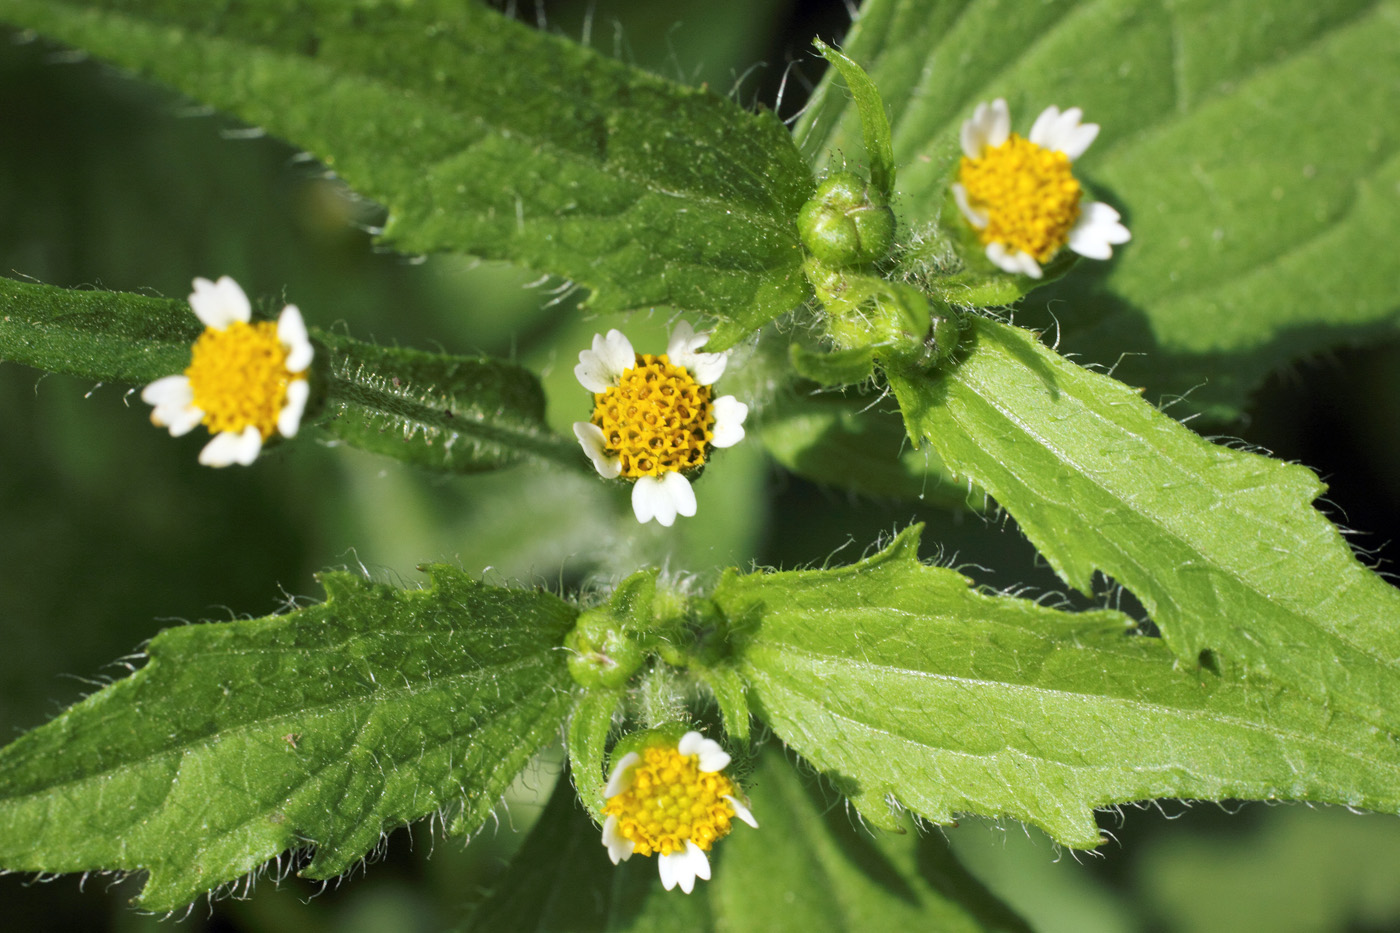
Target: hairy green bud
<point x="846" y="222"/>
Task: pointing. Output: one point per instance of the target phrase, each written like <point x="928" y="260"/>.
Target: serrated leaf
<point x="1249" y="145"/>
<point x="909" y="688"/>
<point x="805" y="868"/>
<point x="484" y="136"/>
<point x="459" y="413"/>
<point x="1223" y="547"/>
<point x="319" y="729"/>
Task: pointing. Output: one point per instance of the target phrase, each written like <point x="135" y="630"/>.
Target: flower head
<point x="672" y="799"/>
<point x="245" y="382"/>
<point x="655" y="419"/>
<point x="1020" y="195"/>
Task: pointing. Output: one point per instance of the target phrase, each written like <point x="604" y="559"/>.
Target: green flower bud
<point x="606" y="645"/>
<point x="601" y="652"/>
<point x="846" y="223"/>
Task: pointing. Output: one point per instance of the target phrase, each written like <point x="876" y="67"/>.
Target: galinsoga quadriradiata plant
<point x="858" y="508"/>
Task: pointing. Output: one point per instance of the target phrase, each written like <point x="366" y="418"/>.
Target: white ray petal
<point x="228" y="448"/>
<point x="729" y="421"/>
<point x="219" y="304"/>
<point x="291" y="332"/>
<point x="594" y="444"/>
<point x="621" y="777"/>
<point x="289" y="418"/>
<point x="742" y="811"/>
<point x="973" y="215"/>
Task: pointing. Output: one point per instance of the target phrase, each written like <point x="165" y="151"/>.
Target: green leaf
<point x="805" y="868"/>
<point x="104" y="336"/>
<point x="458" y="413"/>
<point x="874" y="124"/>
<point x="837" y="368"/>
<point x="482" y="135"/>
<point x="1223" y="547"/>
<point x="909" y="688"/>
<point x="319" y="729"/>
<point x="1250" y="146"/>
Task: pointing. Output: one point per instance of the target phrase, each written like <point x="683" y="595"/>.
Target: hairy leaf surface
<point x="319" y="729"/>
<point x="1222" y="546"/>
<point x="806" y="867"/>
<point x="104" y="336"/>
<point x="482" y="135"/>
<point x="1250" y="146"/>
<point x="909" y="688"/>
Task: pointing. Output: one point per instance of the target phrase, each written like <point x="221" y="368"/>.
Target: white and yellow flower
<point x="654" y="419"/>
<point x="1020" y="194"/>
<point x="245" y="382"/>
<point x="672" y="799"/>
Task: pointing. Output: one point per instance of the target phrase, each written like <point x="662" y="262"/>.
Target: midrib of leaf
<point x="377" y="699"/>
<point x="445" y="423"/>
<point x="823" y="665"/>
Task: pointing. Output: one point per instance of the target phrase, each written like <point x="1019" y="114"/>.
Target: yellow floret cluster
<point x="239" y="377"/>
<point x="670" y="801"/>
<point x="1028" y="193"/>
<point x="657" y="419"/>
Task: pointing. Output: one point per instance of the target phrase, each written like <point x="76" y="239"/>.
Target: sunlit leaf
<point x="1249" y="145"/>
<point x="908" y="688"/>
<point x="1223" y="547"/>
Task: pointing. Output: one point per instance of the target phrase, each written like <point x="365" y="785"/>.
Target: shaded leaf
<point x="586" y="741"/>
<point x="104" y="336"/>
<point x="909" y="688"/>
<point x="846" y="441"/>
<point x="319" y="729"/>
<point x="482" y="135"/>
<point x="459" y="413"/>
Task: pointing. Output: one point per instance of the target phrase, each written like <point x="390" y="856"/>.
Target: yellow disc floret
<point x="657" y="419"/>
<point x="239" y="377"/>
<point x="670" y="801"/>
<point x="1029" y="195"/>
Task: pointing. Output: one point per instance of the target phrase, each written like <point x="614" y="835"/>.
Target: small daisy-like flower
<point x="245" y="382"/>
<point x="1020" y="195"/>
<point x="654" y="418"/>
<point x="672" y="799"/>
